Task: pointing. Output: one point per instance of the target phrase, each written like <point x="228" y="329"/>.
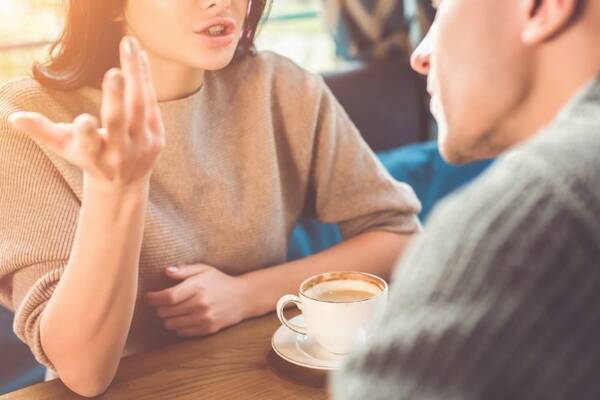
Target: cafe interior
<point x="361" y="48"/>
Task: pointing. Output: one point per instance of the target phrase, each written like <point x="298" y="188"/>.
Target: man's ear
<point x="544" y="19"/>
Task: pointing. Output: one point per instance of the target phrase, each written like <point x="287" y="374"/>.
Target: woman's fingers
<point x="188" y="306"/>
<point x="173" y="295"/>
<point x="154" y="116"/>
<point x="194" y="320"/>
<point x="55" y="136"/>
<point x="86" y="135"/>
<point x="182" y="272"/>
<point x="197" y="320"/>
<point x="135" y="92"/>
<point x="114" y="119"/>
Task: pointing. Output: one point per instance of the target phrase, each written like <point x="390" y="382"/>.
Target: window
<point x="296" y="29"/>
<point x="26" y="29"/>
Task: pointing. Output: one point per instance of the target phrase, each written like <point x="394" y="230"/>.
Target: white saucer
<point x="303" y="350"/>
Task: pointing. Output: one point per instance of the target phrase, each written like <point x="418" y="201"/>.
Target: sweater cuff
<point x="28" y="313"/>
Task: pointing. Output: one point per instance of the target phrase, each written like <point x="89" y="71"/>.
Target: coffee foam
<point x="342" y="284"/>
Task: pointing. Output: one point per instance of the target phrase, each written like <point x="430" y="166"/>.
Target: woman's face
<point x="201" y="34"/>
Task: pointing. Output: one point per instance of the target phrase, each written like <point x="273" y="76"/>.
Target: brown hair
<point x="89" y="43"/>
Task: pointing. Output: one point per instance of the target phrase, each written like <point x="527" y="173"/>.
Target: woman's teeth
<point x="216" y="30"/>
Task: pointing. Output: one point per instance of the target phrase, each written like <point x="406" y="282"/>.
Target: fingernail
<point x="116" y="79"/>
<point x="133" y="43"/>
<point x="12" y="118"/>
<point x="172" y="269"/>
<point x="144" y="57"/>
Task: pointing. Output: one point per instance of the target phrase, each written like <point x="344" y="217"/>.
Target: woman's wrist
<point x="252" y="296"/>
<point x="264" y="287"/>
<point x="106" y="189"/>
<point x="117" y="205"/>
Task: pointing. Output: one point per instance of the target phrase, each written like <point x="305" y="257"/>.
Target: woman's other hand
<point x="204" y="301"/>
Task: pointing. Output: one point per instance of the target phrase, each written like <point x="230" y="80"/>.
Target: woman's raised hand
<point x="124" y="150"/>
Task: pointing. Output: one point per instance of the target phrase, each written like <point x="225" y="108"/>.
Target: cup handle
<point x="284" y="301"/>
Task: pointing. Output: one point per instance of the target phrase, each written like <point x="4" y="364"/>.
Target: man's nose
<point x="420" y="59"/>
<point x="216" y="7"/>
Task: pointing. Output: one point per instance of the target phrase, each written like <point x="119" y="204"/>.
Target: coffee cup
<point x="340" y="309"/>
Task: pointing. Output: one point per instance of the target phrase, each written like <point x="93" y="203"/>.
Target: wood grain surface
<point x="237" y="363"/>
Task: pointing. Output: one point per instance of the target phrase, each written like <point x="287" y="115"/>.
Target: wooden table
<point x="237" y="363"/>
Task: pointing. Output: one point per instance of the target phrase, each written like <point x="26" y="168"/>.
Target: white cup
<point x="341" y="325"/>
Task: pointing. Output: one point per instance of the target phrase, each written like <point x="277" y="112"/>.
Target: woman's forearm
<point x="86" y="322"/>
<point x="374" y="252"/>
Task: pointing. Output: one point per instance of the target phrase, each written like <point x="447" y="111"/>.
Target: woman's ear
<point x="544" y="19"/>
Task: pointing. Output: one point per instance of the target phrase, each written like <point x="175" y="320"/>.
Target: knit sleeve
<point x="349" y="185"/>
<point x="38" y="217"/>
<point x="498" y="299"/>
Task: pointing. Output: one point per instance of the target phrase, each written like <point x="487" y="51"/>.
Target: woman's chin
<point x="214" y="60"/>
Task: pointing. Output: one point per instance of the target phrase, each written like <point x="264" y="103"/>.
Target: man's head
<point x="499" y="70"/>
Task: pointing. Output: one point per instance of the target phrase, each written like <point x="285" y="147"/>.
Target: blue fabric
<point x="420" y="165"/>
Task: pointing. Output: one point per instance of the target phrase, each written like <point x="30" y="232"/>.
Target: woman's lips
<point x="217" y="32"/>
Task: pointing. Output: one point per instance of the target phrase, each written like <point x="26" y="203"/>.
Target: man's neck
<point x="562" y="69"/>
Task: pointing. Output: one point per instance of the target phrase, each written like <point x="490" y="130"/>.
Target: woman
<point x="108" y="249"/>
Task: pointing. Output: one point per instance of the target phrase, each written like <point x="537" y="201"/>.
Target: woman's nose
<point x="216" y="6"/>
<point x="420" y="59"/>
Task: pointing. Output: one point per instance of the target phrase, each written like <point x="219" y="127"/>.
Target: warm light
<point x="23" y="22"/>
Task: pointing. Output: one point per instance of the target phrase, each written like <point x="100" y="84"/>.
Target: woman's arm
<point x="375" y="252"/>
<point x="85" y="323"/>
<point x="207" y="300"/>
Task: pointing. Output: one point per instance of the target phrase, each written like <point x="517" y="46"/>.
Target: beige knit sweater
<point x="262" y="144"/>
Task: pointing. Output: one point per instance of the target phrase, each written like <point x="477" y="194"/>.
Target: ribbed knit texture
<point x="499" y="299"/>
<point x="260" y="145"/>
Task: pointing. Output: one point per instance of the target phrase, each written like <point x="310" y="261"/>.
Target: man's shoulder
<point x="528" y="192"/>
<point x="571" y="143"/>
<point x="509" y="218"/>
<point x="547" y="187"/>
<point x="564" y="155"/>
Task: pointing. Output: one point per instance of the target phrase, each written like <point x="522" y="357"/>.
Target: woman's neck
<point x="172" y="80"/>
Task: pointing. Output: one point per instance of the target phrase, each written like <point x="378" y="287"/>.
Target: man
<point x="499" y="298"/>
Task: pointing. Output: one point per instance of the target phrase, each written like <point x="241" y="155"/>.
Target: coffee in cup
<point x="339" y="308"/>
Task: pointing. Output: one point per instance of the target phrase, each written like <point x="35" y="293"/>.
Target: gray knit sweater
<point x="500" y="297"/>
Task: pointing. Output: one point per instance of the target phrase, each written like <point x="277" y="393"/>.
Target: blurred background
<point x="26" y="30"/>
<point x="314" y="33"/>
